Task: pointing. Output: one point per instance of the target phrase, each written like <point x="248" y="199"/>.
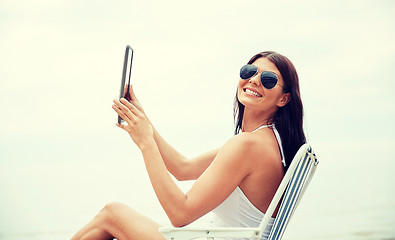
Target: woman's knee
<point x="110" y="213"/>
<point x="112" y="209"/>
<point x="121" y="221"/>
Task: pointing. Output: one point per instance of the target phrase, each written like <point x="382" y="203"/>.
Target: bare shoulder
<point x="259" y="146"/>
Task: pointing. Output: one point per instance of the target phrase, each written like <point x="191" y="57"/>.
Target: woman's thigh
<point x="124" y="223"/>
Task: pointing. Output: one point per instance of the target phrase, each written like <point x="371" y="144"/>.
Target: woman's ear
<point x="284" y="99"/>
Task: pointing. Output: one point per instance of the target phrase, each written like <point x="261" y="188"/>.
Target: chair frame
<point x="294" y="185"/>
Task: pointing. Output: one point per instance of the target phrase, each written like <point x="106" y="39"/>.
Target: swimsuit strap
<point x="277" y="134"/>
<point x="280" y="145"/>
<point x="263" y="126"/>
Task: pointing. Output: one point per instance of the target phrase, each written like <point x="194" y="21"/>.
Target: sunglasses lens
<point x="268" y="80"/>
<point x="248" y="71"/>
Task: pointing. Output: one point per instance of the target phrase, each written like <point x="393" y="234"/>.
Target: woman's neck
<point x="254" y="119"/>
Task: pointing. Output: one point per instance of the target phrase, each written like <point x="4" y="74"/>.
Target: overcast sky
<point x="61" y="63"/>
<point x="61" y="60"/>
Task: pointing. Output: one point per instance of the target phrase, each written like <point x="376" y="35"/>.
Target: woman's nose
<point x="256" y="79"/>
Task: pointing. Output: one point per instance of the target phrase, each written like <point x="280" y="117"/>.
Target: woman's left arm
<point x="212" y="187"/>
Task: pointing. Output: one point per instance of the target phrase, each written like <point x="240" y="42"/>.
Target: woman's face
<point x="253" y="95"/>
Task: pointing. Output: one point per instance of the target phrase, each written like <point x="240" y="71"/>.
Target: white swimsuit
<point x="238" y="211"/>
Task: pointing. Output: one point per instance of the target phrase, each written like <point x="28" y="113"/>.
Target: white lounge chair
<point x="294" y="184"/>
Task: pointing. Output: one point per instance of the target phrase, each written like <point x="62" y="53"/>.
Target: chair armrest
<point x="183" y="233"/>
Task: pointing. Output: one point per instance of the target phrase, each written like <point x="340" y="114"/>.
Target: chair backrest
<point x="295" y="182"/>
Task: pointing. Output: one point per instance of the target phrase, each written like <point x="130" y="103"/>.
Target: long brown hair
<point x="289" y="118"/>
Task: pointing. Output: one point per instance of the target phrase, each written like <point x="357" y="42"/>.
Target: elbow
<point x="177" y="224"/>
<point x="183" y="172"/>
<point x="179" y="176"/>
<point x="181" y="218"/>
<point x="180" y="222"/>
<point x="182" y="176"/>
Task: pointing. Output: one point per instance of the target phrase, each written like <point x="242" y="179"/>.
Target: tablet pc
<point x="126" y="75"/>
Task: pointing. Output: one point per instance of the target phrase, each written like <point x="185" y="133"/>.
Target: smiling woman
<point x="288" y="108"/>
<point x="237" y="181"/>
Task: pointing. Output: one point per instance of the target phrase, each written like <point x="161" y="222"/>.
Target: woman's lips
<point x="252" y="92"/>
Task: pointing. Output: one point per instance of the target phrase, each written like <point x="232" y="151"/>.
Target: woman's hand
<point x="137" y="124"/>
<point x="133" y="99"/>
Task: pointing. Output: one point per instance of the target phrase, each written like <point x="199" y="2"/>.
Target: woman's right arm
<point x="177" y="164"/>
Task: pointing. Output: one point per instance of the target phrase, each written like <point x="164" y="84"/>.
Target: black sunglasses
<point x="268" y="79"/>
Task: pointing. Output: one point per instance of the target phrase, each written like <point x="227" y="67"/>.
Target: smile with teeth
<point x="248" y="91"/>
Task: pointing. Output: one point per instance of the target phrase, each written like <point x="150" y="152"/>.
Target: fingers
<point x="130" y="106"/>
<point x="126" y="110"/>
<point x="121" y="112"/>
<point x="120" y="126"/>
<point x="131" y="93"/>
